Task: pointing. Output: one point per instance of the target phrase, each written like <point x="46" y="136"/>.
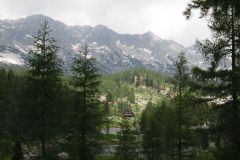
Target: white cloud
<point x="163" y="17"/>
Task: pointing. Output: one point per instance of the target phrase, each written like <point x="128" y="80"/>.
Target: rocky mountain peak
<point x="113" y="51"/>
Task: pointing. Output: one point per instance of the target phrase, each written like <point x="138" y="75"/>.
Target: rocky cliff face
<point x="114" y="52"/>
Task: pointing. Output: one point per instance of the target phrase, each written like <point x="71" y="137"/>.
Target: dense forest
<point x="136" y="114"/>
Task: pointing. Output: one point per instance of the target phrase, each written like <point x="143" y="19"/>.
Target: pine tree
<point x="220" y="82"/>
<point x="150" y="142"/>
<point x="5" y="116"/>
<point x="159" y="130"/>
<point x="128" y="142"/>
<point x="11" y="121"/>
<point x="182" y="77"/>
<point x="88" y="116"/>
<point x="107" y="118"/>
<point x="43" y="80"/>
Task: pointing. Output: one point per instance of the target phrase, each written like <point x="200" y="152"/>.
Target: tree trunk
<point x="235" y="110"/>
<point x="180" y="123"/>
<point x="18" y="153"/>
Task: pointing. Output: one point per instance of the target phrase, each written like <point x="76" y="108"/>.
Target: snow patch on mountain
<point x="20" y="49"/>
<point x="28" y="36"/>
<point x="113" y="52"/>
<point x="11" y="58"/>
<point x="75" y="47"/>
<point x="102" y="49"/>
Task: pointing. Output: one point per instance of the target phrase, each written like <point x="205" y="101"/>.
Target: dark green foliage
<point x="182" y="79"/>
<point x="216" y="5"/>
<point x="122" y="107"/>
<point x="120" y="88"/>
<point x="67" y="116"/>
<point x="181" y="75"/>
<point x="219" y="84"/>
<point x="139" y="77"/>
<point x="10" y="120"/>
<point x="128" y="141"/>
<point x="3" y="97"/>
<point x="109" y="86"/>
<point x="87" y="114"/>
<point x="107" y="119"/>
<point x="159" y="129"/>
<point x="43" y="80"/>
<point x="17" y="122"/>
<point x="109" y="97"/>
<point x="18" y="153"/>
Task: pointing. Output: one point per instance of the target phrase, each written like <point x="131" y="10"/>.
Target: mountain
<point x="114" y="52"/>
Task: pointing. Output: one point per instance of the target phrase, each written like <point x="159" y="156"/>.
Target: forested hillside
<point x="191" y="113"/>
<point x="133" y="90"/>
<point x="137" y="86"/>
<point x="145" y="93"/>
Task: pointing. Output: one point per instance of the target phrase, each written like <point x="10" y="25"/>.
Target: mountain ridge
<point x="114" y="52"/>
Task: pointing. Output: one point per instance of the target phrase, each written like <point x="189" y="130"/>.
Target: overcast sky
<point x="163" y="17"/>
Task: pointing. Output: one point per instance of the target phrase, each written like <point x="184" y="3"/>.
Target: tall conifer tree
<point x="43" y="78"/>
<point x="128" y="141"/>
<point x="181" y="77"/>
<point x="220" y="82"/>
<point x="87" y="117"/>
<point x="159" y="128"/>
